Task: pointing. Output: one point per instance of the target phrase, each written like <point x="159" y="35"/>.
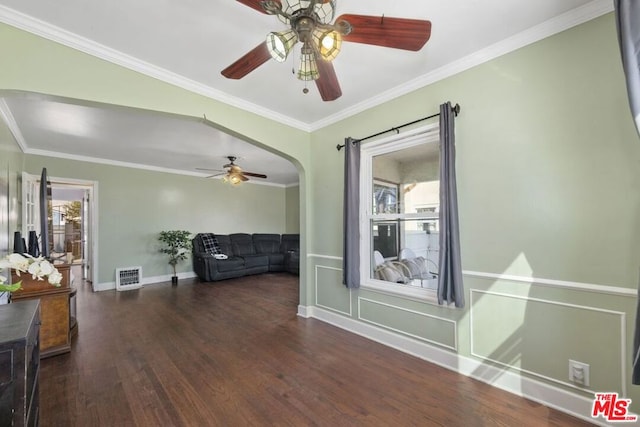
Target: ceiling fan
<point x="233" y="173"/>
<point x="310" y="24"/>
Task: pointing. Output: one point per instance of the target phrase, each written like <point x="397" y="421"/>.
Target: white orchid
<point x="18" y="262"/>
<point x="39" y="268"/>
<point x="55" y="278"/>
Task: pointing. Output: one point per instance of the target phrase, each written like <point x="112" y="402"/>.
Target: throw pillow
<point x="210" y="244"/>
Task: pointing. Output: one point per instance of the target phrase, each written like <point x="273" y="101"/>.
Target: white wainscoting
<point x="620" y="332"/>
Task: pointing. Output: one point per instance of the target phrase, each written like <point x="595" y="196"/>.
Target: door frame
<point x="91" y="187"/>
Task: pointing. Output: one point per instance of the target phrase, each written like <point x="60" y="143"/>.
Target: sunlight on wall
<point x="496" y="322"/>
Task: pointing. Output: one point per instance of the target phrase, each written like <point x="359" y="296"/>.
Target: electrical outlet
<point x="579" y="373"/>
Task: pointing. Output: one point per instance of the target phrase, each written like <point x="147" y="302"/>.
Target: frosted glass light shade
<point x="280" y="44"/>
<point x="328" y="43"/>
<point x="325" y="10"/>
<point x="308" y="68"/>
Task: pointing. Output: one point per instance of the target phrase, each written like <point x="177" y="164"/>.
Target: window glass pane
<point x="406" y="180"/>
<point x="415" y="261"/>
<point x="385" y="238"/>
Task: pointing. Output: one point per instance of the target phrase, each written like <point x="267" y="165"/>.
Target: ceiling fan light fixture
<point x="280" y="44"/>
<point x="308" y="67"/>
<point x="328" y="43"/>
<point x="235" y="179"/>
<point x="292" y="8"/>
<point x="325" y="10"/>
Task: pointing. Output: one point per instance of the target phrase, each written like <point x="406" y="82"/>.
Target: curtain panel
<point x="351" y="230"/>
<point x="627" y="13"/>
<point x="628" y="25"/>
<point x="450" y="289"/>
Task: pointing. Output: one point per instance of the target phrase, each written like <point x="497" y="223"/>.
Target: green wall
<point x="549" y="193"/>
<point x="134" y="205"/>
<point x="11" y="162"/>
<point x="292" y="209"/>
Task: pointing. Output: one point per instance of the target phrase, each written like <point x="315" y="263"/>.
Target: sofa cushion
<point x="242" y="244"/>
<point x="266" y="243"/>
<point x="225" y="244"/>
<point x="267" y="247"/>
<point x="251" y="261"/>
<point x="290" y="242"/>
<point x="230" y="264"/>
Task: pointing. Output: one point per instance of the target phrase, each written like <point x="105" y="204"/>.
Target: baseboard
<point x="107" y="286"/>
<point x="303" y="311"/>
<point x="548" y="395"/>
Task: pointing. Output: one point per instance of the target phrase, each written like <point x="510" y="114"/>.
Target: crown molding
<point x="7" y="116"/>
<point x="46" y="153"/>
<point x="541" y="31"/>
<point x="51" y="32"/>
<point x="546" y="29"/>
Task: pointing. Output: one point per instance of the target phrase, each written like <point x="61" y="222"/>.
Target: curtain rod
<point x="455" y="109"/>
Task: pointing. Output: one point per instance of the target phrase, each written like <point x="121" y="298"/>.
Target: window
<point x="399" y="227"/>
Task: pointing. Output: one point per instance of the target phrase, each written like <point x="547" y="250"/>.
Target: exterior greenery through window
<point x="400" y="230"/>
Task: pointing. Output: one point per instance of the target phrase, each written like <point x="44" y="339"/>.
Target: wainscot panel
<point x="330" y="293"/>
<point x="425" y="327"/>
<point x="538" y="337"/>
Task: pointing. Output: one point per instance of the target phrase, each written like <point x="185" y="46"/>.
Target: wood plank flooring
<point x="234" y="353"/>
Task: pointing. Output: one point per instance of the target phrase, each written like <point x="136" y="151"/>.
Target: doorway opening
<point x="72" y="225"/>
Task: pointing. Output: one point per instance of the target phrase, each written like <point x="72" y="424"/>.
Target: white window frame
<point x="429" y="134"/>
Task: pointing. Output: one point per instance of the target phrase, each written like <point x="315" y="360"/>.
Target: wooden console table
<point x="54" y="309"/>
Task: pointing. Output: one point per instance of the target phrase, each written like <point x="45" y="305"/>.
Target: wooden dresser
<point x="54" y="309"/>
<point x="19" y="363"/>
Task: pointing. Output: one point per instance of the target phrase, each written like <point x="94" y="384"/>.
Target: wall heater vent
<point x="128" y="278"/>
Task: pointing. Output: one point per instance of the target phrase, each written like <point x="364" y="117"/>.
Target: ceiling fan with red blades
<point x="309" y="23"/>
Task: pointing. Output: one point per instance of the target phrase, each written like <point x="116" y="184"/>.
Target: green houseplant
<point x="176" y="244"/>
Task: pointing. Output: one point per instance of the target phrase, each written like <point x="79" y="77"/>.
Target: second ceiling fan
<point x="233" y="173"/>
<point x="310" y="24"/>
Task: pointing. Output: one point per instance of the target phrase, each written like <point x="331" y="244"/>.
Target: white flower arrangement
<point x="39" y="268"/>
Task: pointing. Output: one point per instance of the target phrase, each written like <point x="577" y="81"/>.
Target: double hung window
<point x="400" y="194"/>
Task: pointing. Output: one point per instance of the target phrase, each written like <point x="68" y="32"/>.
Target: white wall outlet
<point x="579" y="373"/>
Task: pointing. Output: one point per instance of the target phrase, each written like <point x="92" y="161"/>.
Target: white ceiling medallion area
<point x="555" y="24"/>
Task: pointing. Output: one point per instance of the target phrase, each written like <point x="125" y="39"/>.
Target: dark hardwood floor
<point x="234" y="353"/>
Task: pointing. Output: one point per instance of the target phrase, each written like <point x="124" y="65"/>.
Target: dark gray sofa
<point x="247" y="254"/>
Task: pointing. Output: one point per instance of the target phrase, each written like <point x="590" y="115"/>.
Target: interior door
<point x="87" y="252"/>
<point x="30" y="204"/>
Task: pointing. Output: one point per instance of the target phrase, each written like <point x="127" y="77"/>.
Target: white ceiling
<point x="189" y="42"/>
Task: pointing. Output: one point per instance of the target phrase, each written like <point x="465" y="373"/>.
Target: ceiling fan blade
<point x="209" y="170"/>
<point x="397" y="33"/>
<point x="255" y="4"/>
<point x="249" y="62"/>
<point x="243" y="178"/>
<point x="255" y="175"/>
<point x="216" y="174"/>
<point x="327" y="83"/>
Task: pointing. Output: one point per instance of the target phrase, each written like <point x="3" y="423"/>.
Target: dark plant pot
<point x="174" y="280"/>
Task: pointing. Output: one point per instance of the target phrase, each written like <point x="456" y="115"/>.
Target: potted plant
<point x="176" y="244"/>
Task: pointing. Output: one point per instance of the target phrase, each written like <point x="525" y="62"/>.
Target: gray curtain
<point x="351" y="253"/>
<point x="450" y="289"/>
<point x="628" y="24"/>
